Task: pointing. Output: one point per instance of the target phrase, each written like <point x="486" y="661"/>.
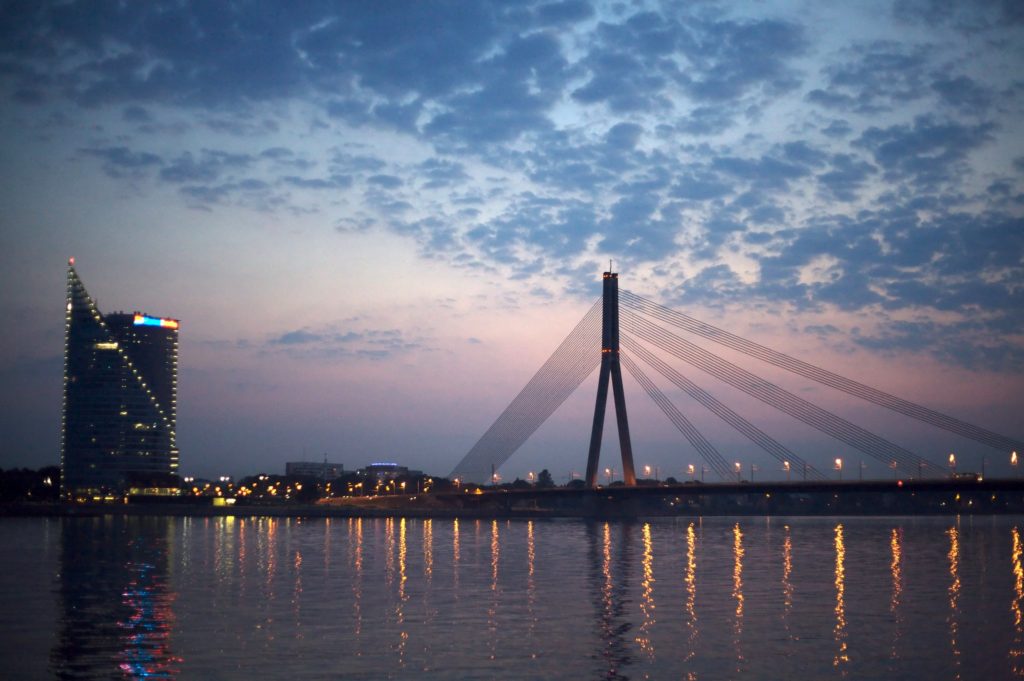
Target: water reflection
<point x="647" y="606"/>
<point x="954" y="598"/>
<point x="538" y="599"/>
<point x="356" y="548"/>
<point x="403" y="633"/>
<point x="115" y="600"/>
<point x="1017" y="606"/>
<point x="691" y="592"/>
<point x="842" y="655"/>
<point x="428" y="549"/>
<point x="609" y="595"/>
<point x="531" y="586"/>
<point x="492" y="609"/>
<point x="787" y="578"/>
<point x="896" y="568"/>
<point x="737" y="593"/>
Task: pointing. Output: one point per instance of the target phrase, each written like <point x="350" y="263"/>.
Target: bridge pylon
<point x="610" y="370"/>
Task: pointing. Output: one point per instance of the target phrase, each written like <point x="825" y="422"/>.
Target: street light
<point x="608" y="475"/>
<point x="785" y="467"/>
<point x="647" y="471"/>
<point x="692" y="470"/>
<point x="1013" y="461"/>
<point x="753" y="467"/>
<point x="738" y="469"/>
<point x="531" y="477"/>
<point x="839" y="467"/>
<point x="952" y="465"/>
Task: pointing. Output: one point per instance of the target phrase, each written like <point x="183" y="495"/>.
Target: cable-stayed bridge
<point x="623" y="329"/>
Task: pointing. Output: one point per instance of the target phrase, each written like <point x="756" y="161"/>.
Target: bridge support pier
<point x="611" y="370"/>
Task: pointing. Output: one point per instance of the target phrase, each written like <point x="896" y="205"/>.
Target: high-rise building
<point x="120" y="398"/>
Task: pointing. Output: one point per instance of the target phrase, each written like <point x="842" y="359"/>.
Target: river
<point x="713" y="598"/>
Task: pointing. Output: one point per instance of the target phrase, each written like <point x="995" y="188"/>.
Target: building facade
<point x="315" y="469"/>
<point x="119" y="414"/>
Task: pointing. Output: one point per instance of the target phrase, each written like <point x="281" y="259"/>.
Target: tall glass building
<point x="120" y="399"/>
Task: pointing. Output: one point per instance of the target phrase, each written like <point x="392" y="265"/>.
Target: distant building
<point x="386" y="471"/>
<point x="315" y="469"/>
<point x="120" y="399"/>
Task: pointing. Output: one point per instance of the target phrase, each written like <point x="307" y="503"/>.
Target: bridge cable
<point x="771" y="394"/>
<point x="775" y="449"/>
<point x="820" y="375"/>
<point x="564" y="373"/>
<point x="567" y="367"/>
<point x="814" y="416"/>
<point x="706" y="450"/>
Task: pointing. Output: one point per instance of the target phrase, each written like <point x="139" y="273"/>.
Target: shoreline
<point x="850" y="498"/>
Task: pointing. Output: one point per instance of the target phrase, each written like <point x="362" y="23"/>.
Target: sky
<point x="375" y="220"/>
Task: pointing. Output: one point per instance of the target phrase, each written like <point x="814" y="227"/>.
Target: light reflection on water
<point x="378" y="598"/>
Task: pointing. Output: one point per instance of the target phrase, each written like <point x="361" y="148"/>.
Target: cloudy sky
<point x="376" y="220"/>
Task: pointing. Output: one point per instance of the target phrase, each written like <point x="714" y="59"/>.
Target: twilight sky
<point x="375" y="220"/>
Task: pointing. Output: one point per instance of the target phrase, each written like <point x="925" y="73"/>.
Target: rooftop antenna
<point x="609" y="265"/>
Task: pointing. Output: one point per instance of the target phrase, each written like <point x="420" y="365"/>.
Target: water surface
<point x="718" y="598"/>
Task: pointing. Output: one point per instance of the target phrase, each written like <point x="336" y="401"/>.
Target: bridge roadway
<point x="868" y="497"/>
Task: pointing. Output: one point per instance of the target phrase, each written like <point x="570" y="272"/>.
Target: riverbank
<point x="853" y="498"/>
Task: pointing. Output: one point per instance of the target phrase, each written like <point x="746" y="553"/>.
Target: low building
<point x="323" y="470"/>
<point x="383" y="470"/>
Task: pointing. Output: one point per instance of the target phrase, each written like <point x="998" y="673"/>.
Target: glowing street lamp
<point x="785" y="467"/>
<point x="839" y="467"/>
<point x="531" y="476"/>
<point x="647" y="471"/>
<point x="952" y="464"/>
<point x="1013" y="461"/>
<point x="692" y="470"/>
<point x="738" y="468"/>
<point x="608" y="475"/>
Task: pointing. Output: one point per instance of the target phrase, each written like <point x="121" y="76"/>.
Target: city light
<point x="146" y="320"/>
<point x="839" y="467"/>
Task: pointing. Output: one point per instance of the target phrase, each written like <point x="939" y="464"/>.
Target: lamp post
<point x="952" y="465"/>
<point x="608" y="475"/>
<point x="785" y="467"/>
<point x="894" y="472"/>
<point x="839" y="467"/>
<point x="692" y="470"/>
<point x="1013" y="462"/>
<point x="753" y="467"/>
<point x="739" y="468"/>
<point x="647" y="471"/>
<point x="860" y="470"/>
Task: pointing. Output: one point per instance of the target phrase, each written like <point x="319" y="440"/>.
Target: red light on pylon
<point x="71" y="260"/>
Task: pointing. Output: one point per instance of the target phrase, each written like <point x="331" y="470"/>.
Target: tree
<point x="544" y="479"/>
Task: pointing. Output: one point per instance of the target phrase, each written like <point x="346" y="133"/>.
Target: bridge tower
<point x="610" y="370"/>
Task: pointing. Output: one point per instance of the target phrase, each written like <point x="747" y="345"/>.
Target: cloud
<point x="330" y="343"/>
<point x="874" y="78"/>
<point x="121" y="162"/>
<point x="928" y="152"/>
